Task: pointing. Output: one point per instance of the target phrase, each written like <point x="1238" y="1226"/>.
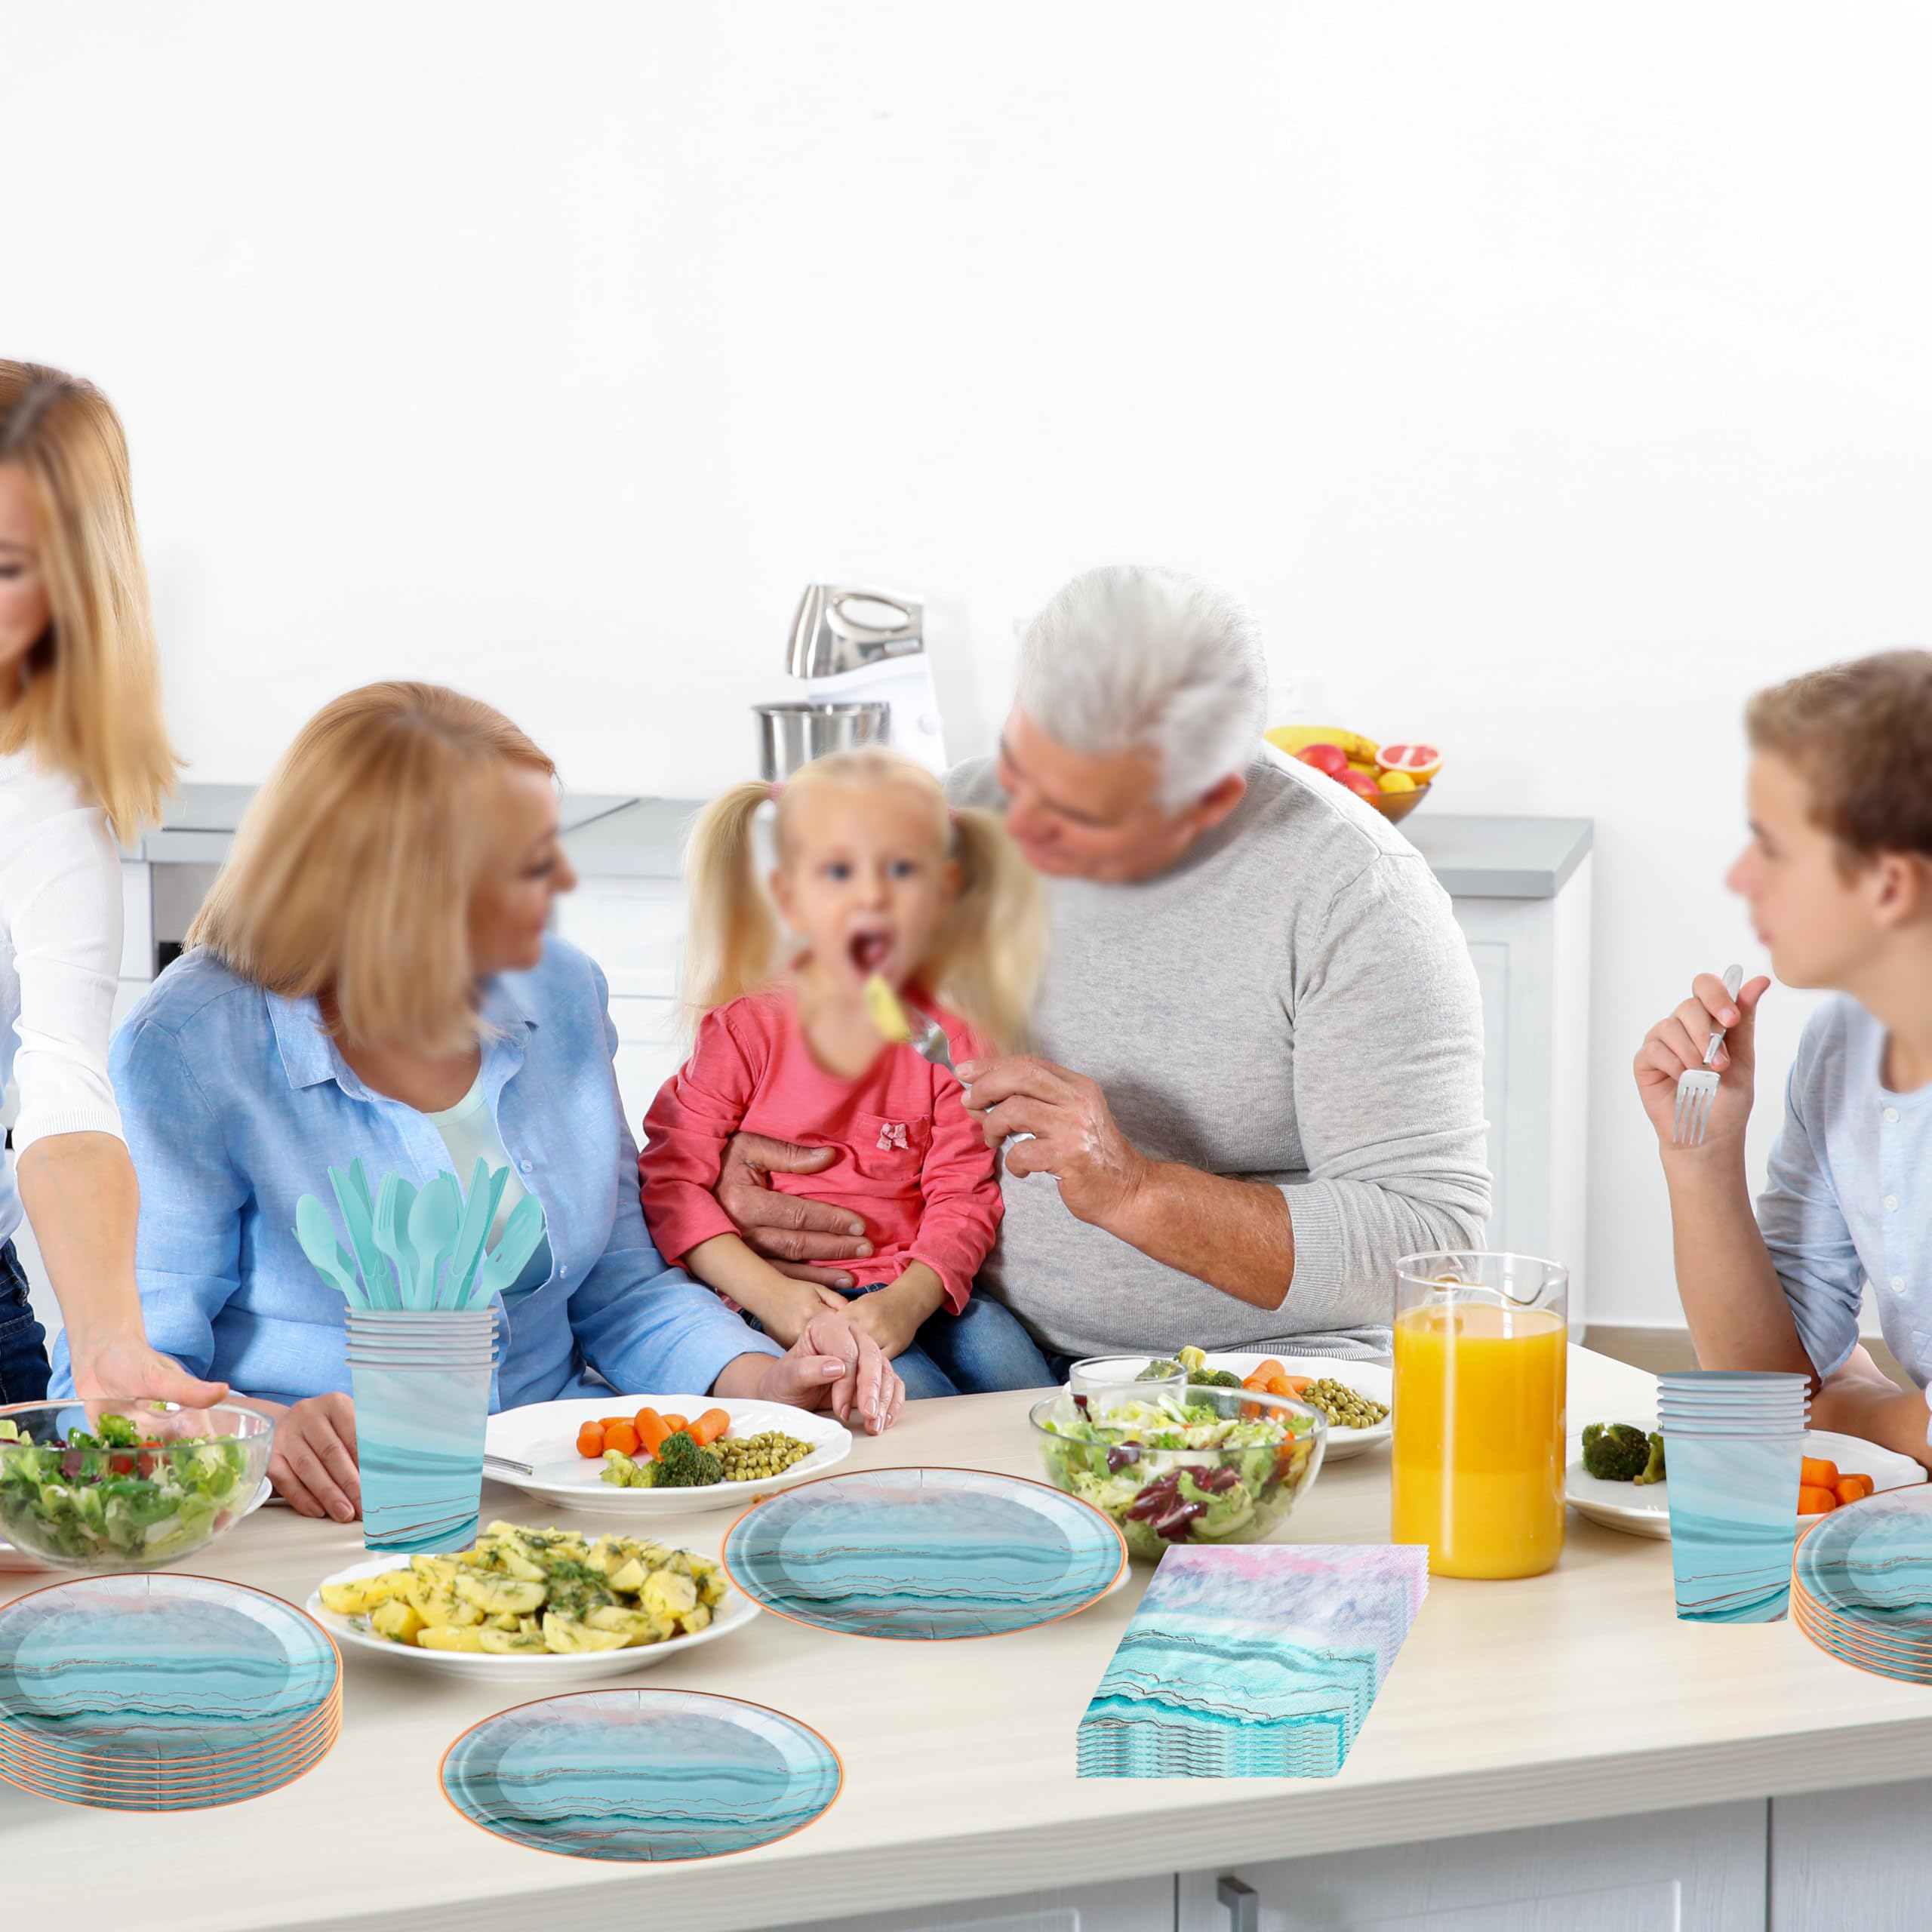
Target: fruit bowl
<point x="1214" y="1466"/>
<point x="1396" y="806"/>
<point x="123" y="1483"/>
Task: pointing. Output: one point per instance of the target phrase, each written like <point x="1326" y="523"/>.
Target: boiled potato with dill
<point x="523" y="1592"/>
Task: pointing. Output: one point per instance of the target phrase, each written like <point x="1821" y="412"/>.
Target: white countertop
<point x="1573" y="1696"/>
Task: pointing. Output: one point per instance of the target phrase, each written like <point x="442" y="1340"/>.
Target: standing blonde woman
<point x="83" y="756"/>
<point x="372" y="977"/>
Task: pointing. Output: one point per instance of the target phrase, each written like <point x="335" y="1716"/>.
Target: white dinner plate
<point x="1643" y="1510"/>
<point x="557" y="1670"/>
<point x="1366" y="1378"/>
<point x="544" y="1435"/>
<point x="13" y="1557"/>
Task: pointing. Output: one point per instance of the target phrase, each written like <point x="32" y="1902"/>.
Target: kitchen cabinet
<point x="1850" y="1858"/>
<point x="1137" y="1905"/>
<point x="1699" y="1870"/>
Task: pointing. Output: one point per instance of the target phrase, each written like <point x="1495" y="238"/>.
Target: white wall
<point x="1546" y="376"/>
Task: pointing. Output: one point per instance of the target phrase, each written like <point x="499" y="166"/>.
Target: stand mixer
<point x="858" y="659"/>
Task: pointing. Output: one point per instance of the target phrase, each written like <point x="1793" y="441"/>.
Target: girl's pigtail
<point x="993" y="945"/>
<point x="731" y="942"/>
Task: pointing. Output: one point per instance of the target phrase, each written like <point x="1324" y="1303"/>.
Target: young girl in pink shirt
<point x="875" y="875"/>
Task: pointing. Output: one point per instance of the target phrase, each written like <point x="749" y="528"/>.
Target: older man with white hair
<point x="1257" y="1078"/>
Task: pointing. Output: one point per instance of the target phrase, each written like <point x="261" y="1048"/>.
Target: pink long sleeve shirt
<point x="911" y="1163"/>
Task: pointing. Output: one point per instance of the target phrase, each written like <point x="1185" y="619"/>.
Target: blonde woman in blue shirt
<point x="372" y="974"/>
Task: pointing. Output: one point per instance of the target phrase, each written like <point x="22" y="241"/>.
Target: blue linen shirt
<point x="236" y="1102"/>
<point x="1849" y="1198"/>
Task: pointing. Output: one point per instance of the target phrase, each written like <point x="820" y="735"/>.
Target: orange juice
<point x="1479" y="1438"/>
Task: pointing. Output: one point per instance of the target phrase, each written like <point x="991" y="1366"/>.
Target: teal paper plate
<point x="925" y="1554"/>
<point x="641" y="1776"/>
<point x="163" y="1665"/>
<point x="1870" y="1564"/>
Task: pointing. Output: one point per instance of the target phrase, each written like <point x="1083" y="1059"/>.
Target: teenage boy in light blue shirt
<point x="1838" y="877"/>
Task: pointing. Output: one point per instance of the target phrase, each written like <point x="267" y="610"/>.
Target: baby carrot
<point x="674" y="1423"/>
<point x="709" y="1427"/>
<point x="590" y="1439"/>
<point x="1289" y="1384"/>
<point x="1818" y="1474"/>
<point x="611" y="1422"/>
<point x="651" y="1430"/>
<point x="1853" y="1488"/>
<point x="623" y="1437"/>
<point x="1813" y="1501"/>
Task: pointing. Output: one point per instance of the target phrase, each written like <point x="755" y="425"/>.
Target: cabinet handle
<point x="1244" y="1905"/>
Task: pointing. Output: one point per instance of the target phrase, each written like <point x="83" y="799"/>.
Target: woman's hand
<point x="831" y="1365"/>
<point x="1676" y="1045"/>
<point x="124" y="1365"/>
<point x="313" y="1463"/>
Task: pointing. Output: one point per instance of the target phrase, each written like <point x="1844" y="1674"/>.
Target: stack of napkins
<point x="1253" y="1660"/>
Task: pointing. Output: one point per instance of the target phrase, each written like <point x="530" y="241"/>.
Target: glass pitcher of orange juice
<point x="1481" y="1346"/>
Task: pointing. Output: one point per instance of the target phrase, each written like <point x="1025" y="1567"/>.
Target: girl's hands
<point x="793" y="1306"/>
<point x="313" y="1462"/>
<point x="831" y="1365"/>
<point x="1676" y="1045"/>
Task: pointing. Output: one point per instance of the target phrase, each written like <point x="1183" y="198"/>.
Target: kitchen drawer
<point x="1134" y="1905"/>
<point x="634" y="928"/>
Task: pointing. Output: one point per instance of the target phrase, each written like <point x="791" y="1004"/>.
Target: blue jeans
<point x="23" y="1364"/>
<point x="974" y="1353"/>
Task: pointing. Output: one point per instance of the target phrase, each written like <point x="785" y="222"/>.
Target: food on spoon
<point x="531" y="1592"/>
<point x="883" y="1009"/>
<point x="114" y="1492"/>
<point x="1421" y="762"/>
<point x="1616" y="1451"/>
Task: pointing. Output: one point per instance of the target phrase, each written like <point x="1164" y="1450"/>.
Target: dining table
<point x="1576" y="1695"/>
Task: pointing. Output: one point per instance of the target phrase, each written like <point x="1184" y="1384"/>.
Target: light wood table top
<point x="1571" y="1696"/>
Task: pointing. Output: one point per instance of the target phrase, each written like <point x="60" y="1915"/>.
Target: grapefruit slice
<point x="1421" y="762"/>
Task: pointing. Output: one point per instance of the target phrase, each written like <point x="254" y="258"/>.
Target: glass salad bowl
<point x="1206" y="1465"/>
<point x="126" y="1483"/>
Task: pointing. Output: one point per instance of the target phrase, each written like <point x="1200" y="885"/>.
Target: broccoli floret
<point x="1652" y="1469"/>
<point x="1158" y="1371"/>
<point x="1615" y="1451"/>
<point x="1214" y="1378"/>
<point x="681" y="1464"/>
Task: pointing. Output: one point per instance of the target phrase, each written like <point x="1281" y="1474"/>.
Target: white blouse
<point x="61" y="918"/>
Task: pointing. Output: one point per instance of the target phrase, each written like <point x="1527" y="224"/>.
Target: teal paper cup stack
<point x="1734" y="1441"/>
<point x="422" y="1340"/>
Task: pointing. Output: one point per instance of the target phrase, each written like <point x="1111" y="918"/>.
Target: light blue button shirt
<point x="236" y="1102"/>
<point x="1850" y="1194"/>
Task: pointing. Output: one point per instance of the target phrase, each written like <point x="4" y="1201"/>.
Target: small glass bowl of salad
<point x="126" y="1483"/>
<point x="1194" y="1466"/>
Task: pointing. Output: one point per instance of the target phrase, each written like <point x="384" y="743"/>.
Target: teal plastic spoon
<point x="392" y="1206"/>
<point x="329" y="1258"/>
<point x="521" y="1232"/>
<point x="433" y="1222"/>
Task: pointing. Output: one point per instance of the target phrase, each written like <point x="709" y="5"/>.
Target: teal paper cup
<point x="418" y="1444"/>
<point x="1733" y="1522"/>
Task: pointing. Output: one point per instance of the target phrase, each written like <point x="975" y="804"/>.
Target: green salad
<point x="112" y="1495"/>
<point x="1168" y="1471"/>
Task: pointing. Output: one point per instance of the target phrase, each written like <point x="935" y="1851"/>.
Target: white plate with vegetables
<point x="545" y="1438"/>
<point x="594" y="1608"/>
<point x="1363" y="1379"/>
<point x="1643" y="1509"/>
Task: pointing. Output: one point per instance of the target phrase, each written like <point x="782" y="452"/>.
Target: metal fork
<point x="929" y="1042"/>
<point x="1697" y="1086"/>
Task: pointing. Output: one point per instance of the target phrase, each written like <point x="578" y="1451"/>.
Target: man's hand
<point x="1074" y="1137"/>
<point x="313" y="1463"/>
<point x="124" y="1365"/>
<point x="1676" y="1045"/>
<point x="787" y="1229"/>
